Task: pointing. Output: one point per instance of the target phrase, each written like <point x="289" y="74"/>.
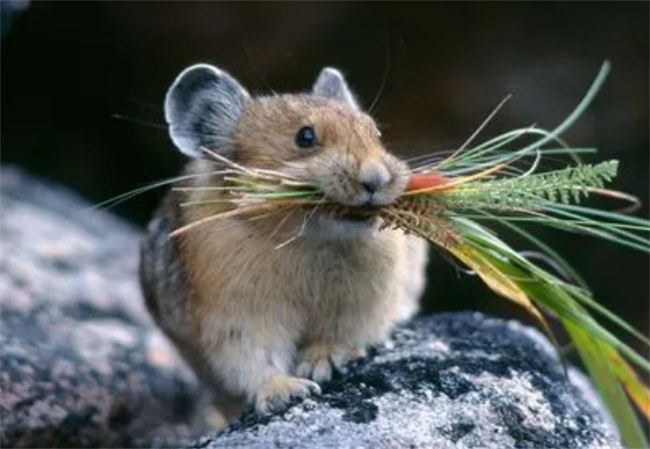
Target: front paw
<point x="276" y="392"/>
<point x="318" y="362"/>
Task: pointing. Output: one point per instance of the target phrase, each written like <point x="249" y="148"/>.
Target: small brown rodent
<point x="261" y="321"/>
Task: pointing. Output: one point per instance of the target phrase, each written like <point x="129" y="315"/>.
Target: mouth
<point x="344" y="222"/>
<point x="359" y="215"/>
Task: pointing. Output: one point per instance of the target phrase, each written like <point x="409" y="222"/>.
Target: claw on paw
<point x="276" y="393"/>
<point x="318" y="362"/>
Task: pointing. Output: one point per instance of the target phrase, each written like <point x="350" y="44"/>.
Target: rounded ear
<point x="331" y="84"/>
<point x="202" y="108"/>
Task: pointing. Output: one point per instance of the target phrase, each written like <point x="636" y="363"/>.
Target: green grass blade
<point x="584" y="298"/>
<point x="599" y="369"/>
<point x="557" y="258"/>
<point x="578" y="111"/>
<point x="548" y="136"/>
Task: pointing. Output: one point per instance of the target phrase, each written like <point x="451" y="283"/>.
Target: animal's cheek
<point x="331" y="173"/>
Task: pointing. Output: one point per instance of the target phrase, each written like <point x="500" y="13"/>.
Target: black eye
<point x="306" y="137"/>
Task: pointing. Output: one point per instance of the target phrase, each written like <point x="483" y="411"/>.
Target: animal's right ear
<point x="331" y="84"/>
<point x="202" y="108"/>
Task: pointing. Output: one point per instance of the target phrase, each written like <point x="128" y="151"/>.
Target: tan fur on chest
<point x="307" y="290"/>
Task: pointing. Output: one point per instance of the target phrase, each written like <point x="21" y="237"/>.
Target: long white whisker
<point x="384" y="79"/>
<point x="483" y="125"/>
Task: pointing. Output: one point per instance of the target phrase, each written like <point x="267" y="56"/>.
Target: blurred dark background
<point x="69" y="67"/>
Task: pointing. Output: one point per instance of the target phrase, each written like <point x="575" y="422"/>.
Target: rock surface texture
<point x="82" y="364"/>
<point x="457" y="380"/>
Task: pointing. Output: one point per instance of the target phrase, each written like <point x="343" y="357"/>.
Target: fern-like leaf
<point x="531" y="192"/>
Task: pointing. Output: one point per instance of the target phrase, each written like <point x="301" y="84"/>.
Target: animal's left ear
<point x="331" y="84"/>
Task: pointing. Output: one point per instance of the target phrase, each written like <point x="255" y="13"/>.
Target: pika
<point x="259" y="321"/>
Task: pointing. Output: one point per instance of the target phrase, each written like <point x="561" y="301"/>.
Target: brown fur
<point x="300" y="293"/>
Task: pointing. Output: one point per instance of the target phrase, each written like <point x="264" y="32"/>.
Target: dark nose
<point x="372" y="185"/>
<point x="373" y="176"/>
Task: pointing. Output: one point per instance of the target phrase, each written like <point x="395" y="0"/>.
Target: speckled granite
<point x="82" y="363"/>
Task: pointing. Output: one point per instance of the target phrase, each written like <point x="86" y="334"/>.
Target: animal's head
<point x="322" y="136"/>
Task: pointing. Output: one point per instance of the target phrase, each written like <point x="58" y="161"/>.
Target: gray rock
<point x="82" y="363"/>
<point x="458" y="380"/>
